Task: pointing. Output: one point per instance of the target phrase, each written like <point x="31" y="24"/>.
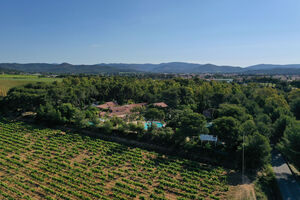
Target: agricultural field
<point x="40" y="163"/>
<point x="8" y="81"/>
<point x="268" y="84"/>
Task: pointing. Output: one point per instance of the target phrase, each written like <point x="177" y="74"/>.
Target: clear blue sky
<point x="229" y="32"/>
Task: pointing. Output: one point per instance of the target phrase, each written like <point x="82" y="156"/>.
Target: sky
<point x="223" y="32"/>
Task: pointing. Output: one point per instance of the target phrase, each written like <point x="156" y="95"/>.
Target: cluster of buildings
<point x="114" y="109"/>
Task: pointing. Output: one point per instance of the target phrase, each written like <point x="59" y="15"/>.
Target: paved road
<point x="289" y="188"/>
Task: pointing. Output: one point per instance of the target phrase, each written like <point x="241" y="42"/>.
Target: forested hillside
<point x="9" y="71"/>
<point x="170" y="67"/>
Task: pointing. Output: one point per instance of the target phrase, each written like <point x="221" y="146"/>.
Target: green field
<point x="39" y="163"/>
<point x="8" y="81"/>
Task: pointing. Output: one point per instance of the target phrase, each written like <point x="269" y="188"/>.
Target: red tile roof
<point x="161" y="104"/>
<point x="101" y="114"/>
<point x="126" y="108"/>
<point x="122" y="111"/>
<point x="107" y="105"/>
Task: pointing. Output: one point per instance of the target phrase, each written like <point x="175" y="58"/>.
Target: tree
<point x="137" y="128"/>
<point x="173" y="118"/>
<point x="274" y="105"/>
<point x="26" y="98"/>
<point x="79" y="119"/>
<point x="227" y="130"/>
<point x="278" y="112"/>
<point x="295" y="107"/>
<point x="167" y="134"/>
<point x="171" y="97"/>
<point x="264" y="124"/>
<point x="280" y="126"/>
<point x="154" y="114"/>
<point x="294" y="94"/>
<point x="50" y="115"/>
<point x="108" y="126"/>
<point x="69" y="112"/>
<point x="189" y="124"/>
<point x="264" y="118"/>
<point x="264" y="129"/>
<point x="162" y="135"/>
<point x="257" y="151"/>
<point x="252" y="107"/>
<point x="186" y="96"/>
<point x="289" y="143"/>
<point x="262" y="94"/>
<point x="232" y="110"/>
<point x="248" y="127"/>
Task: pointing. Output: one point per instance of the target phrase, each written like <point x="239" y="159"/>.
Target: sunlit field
<point x="38" y="163"/>
<point x="8" y="81"/>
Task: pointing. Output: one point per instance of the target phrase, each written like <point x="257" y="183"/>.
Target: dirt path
<point x="239" y="191"/>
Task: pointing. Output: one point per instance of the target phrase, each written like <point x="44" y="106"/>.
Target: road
<point x="289" y="188"/>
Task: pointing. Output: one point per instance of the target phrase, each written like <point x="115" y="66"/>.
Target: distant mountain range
<point x="171" y="67"/>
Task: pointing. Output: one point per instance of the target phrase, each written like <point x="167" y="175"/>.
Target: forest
<point x="265" y="114"/>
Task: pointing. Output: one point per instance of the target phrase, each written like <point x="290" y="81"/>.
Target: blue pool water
<point x="148" y="124"/>
<point x="91" y="123"/>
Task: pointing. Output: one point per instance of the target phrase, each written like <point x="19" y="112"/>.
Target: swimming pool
<point x="148" y="124"/>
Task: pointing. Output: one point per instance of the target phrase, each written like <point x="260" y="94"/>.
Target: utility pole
<point x="243" y="160"/>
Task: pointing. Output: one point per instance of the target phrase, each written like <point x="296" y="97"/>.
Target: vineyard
<point x="39" y="163"/>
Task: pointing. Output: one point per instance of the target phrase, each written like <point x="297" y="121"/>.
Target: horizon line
<point x="145" y="63"/>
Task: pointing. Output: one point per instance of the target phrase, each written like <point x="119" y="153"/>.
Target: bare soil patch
<point x="239" y="190"/>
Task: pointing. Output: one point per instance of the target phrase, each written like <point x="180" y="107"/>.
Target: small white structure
<point x="204" y="137"/>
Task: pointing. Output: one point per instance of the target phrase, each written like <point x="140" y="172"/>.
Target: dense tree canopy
<point x="290" y="143"/>
<point x="154" y="114"/>
<point x="295" y="107"/>
<point x="190" y="124"/>
<point x="227" y="129"/>
<point x="257" y="151"/>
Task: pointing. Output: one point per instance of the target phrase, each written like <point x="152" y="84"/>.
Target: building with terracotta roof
<point x="107" y="105"/>
<point x="119" y="111"/>
<point x="161" y="104"/>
